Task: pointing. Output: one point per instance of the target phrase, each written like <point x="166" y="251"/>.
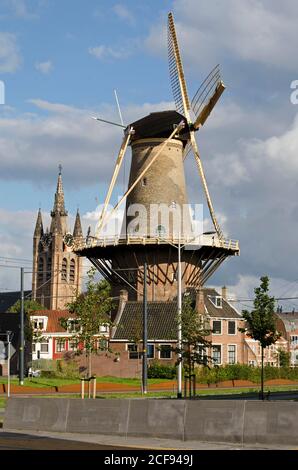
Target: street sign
<point x="4" y="350"/>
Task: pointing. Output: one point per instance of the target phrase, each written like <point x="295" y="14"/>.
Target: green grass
<point x="58" y="382"/>
<point x="41" y="382"/>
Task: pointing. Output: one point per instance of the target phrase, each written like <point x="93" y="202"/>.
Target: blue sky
<point x="60" y="62"/>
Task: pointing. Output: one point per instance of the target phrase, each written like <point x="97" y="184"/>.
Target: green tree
<point x="90" y="310"/>
<point x="30" y="306"/>
<point x="194" y="342"/>
<point x="261" y="321"/>
<point x="283" y="358"/>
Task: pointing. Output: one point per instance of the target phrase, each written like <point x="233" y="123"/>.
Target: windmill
<point x="160" y="142"/>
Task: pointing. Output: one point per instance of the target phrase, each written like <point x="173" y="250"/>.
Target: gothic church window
<point x="72" y="270"/>
<point x="64" y="270"/>
<point x="40" y="270"/>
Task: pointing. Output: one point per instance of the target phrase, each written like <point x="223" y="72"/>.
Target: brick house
<point x="229" y="346"/>
<point x="288" y="325"/>
<point x="123" y="358"/>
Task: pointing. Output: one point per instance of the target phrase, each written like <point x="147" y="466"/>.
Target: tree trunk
<point x="262" y="373"/>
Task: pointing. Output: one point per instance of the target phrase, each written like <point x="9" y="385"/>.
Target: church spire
<point x="59" y="204"/>
<point x="77" y="231"/>
<point x="38" y="232"/>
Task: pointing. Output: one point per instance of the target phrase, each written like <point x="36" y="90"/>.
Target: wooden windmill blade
<point x="205" y="186"/>
<point x="178" y="83"/>
<point x="119" y="161"/>
<point x="207" y="96"/>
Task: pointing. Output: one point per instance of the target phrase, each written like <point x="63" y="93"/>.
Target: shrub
<point x="156" y="370"/>
<point x="48" y="374"/>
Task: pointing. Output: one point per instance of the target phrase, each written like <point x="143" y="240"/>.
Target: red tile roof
<point x="53" y="325"/>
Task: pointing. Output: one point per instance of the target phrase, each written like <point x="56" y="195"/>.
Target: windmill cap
<point x="159" y="125"/>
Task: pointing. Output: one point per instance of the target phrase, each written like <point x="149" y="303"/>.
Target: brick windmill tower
<point x="160" y="143"/>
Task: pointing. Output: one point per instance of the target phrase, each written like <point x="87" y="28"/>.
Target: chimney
<point x="200" y="303"/>
<point x="224" y="292"/>
<point x="123" y="294"/>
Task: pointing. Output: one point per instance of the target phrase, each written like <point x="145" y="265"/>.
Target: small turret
<point x="77" y="231"/>
<point x="38" y="232"/>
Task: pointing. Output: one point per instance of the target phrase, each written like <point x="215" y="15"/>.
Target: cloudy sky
<point x="60" y="61"/>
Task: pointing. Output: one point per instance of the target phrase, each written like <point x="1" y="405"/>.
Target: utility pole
<point x="179" y="331"/>
<point x="22" y="342"/>
<point x="145" y="336"/>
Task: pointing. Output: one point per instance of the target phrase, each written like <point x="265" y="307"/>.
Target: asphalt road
<point x="16" y="441"/>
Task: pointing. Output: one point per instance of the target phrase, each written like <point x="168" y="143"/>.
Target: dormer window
<point x="104" y="328"/>
<point x="73" y="326"/>
<point x="38" y="324"/>
<point x="216" y="300"/>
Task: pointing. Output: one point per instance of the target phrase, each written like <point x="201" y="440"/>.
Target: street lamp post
<point x="21" y="376"/>
<point x="179" y="331"/>
<point x="8" y="363"/>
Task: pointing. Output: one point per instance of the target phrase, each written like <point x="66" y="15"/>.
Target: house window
<point x="64" y="270"/>
<point x="103" y="344"/>
<point x="252" y="363"/>
<point x="44" y="346"/>
<point x="60" y="345"/>
<point x="133" y="351"/>
<point x="72" y="345"/>
<point x="231" y="327"/>
<point x="165" y="351"/>
<point x="72" y="270"/>
<point x="104" y="328"/>
<point x="38" y="324"/>
<point x="73" y="326"/>
<point x="294" y="340"/>
<point x="232" y="354"/>
<point x="33" y="347"/>
<point x="216" y="330"/>
<point x="150" y="351"/>
<point x="216" y="300"/>
<point x="203" y="355"/>
<point x="216" y="354"/>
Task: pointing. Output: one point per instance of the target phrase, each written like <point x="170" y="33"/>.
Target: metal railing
<point x="202" y="240"/>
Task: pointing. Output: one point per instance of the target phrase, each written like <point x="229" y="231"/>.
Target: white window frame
<point x="153" y="345"/>
<point x="104" y="328"/>
<point x="235" y="346"/>
<point x="138" y="353"/>
<point x="221" y="355"/>
<point x="232" y="334"/>
<point x="217" y="334"/>
<point x="59" y="341"/>
<point x="171" y="352"/>
<point x="45" y="341"/>
<point x="216" y="299"/>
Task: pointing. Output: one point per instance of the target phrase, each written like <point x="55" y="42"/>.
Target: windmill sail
<point x="207" y="96"/>
<point x="176" y="71"/>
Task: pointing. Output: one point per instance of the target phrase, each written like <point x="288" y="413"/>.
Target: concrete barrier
<point x="242" y="422"/>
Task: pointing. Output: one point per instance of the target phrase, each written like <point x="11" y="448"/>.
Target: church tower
<point x="57" y="271"/>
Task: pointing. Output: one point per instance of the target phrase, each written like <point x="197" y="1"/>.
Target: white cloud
<point x="251" y="30"/>
<point x="88" y="149"/>
<point x="124" y="13"/>
<point x="44" y="67"/>
<point x="105" y="52"/>
<point x="10" y="59"/>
